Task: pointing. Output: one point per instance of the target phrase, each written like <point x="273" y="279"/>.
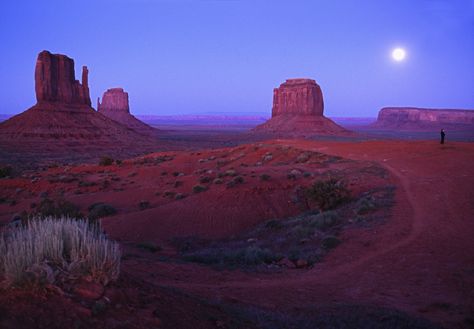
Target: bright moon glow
<point x="398" y="54"/>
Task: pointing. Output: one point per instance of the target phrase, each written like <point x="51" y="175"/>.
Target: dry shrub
<point x="52" y="250"/>
<point x="328" y="194"/>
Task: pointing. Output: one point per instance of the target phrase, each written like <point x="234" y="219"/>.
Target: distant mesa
<point x="298" y="109"/>
<point x="115" y="105"/>
<point x="422" y="118"/>
<point x="63" y="119"/>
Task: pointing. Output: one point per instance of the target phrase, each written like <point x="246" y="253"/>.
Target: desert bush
<point x="325" y="220"/>
<point x="328" y="194"/>
<point x="143" y="204"/>
<point x="365" y="205"/>
<point x="100" y="209"/>
<point x="5" y="171"/>
<point x="149" y="245"/>
<point x="106" y="161"/>
<point x="50" y="250"/>
<point x="204" y="179"/>
<point x="199" y="188"/>
<point x="57" y="208"/>
<point x="249" y="256"/>
<point x="330" y="242"/>
<point x="265" y="177"/>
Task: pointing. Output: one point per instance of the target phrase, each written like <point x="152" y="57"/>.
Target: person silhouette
<point x="443" y="134"/>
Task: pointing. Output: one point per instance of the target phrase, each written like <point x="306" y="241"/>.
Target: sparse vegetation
<point x="199" y="188"/>
<point x="149" y="246"/>
<point x="5" y="171"/>
<point x="100" y="209"/>
<point x="143" y="204"/>
<point x="57" y="209"/>
<point x="328" y="194"/>
<point x="106" y="161"/>
<point x="54" y="250"/>
<point x="204" y="179"/>
<point x="265" y="177"/>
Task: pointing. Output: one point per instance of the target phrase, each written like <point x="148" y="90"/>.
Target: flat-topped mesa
<point x="114" y="99"/>
<point x="412" y="117"/>
<point x="55" y="81"/>
<point x="298" y="96"/>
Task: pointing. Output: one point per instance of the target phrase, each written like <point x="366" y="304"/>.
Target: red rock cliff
<point x="411" y="117"/>
<point x="55" y="81"/>
<point x="114" y="99"/>
<point x="298" y="96"/>
<point x="298" y="111"/>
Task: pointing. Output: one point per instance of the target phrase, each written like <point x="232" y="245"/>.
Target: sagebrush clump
<point x="55" y="250"/>
<point x="328" y="194"/>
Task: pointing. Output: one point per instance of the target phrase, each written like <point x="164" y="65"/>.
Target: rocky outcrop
<point x="298" y="97"/>
<point x="116" y="107"/>
<point x="55" y="81"/>
<point x="114" y="100"/>
<point x="62" y="124"/>
<point x="419" y="118"/>
<point x="297" y="110"/>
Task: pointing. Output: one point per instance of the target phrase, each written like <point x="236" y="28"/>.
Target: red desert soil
<point x="420" y="261"/>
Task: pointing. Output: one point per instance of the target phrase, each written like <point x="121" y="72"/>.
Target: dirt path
<point x="421" y="261"/>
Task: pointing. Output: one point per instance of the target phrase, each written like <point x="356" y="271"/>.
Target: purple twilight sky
<point x="211" y="56"/>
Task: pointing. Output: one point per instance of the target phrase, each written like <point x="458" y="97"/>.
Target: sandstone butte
<point x="422" y="118"/>
<point x="298" y="110"/>
<point x="63" y="117"/>
<point x="115" y="105"/>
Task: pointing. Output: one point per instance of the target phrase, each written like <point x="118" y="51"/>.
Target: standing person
<point x="442" y="133"/>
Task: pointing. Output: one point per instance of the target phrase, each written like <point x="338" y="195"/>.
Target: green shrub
<point x="330" y="242"/>
<point x="199" y="188"/>
<point x="106" y="161"/>
<point x="5" y="171"/>
<point x="325" y="220"/>
<point x="100" y="209"/>
<point x="365" y="205"/>
<point x="57" y="208"/>
<point x="52" y="250"/>
<point x="328" y="194"/>
<point x="143" y="204"/>
<point x="149" y="245"/>
<point x="204" y="179"/>
<point x="265" y="177"/>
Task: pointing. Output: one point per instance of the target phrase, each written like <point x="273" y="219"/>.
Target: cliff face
<point x="62" y="124"/>
<point x="298" y="111"/>
<point x="116" y="107"/>
<point x="298" y="97"/>
<point x="114" y="100"/>
<point x="55" y="81"/>
<point x="412" y="118"/>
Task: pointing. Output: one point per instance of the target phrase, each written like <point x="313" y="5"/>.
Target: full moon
<point x="398" y="54"/>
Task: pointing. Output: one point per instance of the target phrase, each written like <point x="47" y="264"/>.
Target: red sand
<point x="420" y="261"/>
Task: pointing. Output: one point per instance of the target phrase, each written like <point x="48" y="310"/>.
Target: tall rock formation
<point x="55" y="81"/>
<point x="115" y="106"/>
<point x="297" y="110"/>
<point x="421" y="118"/>
<point x="298" y="97"/>
<point x="62" y="124"/>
